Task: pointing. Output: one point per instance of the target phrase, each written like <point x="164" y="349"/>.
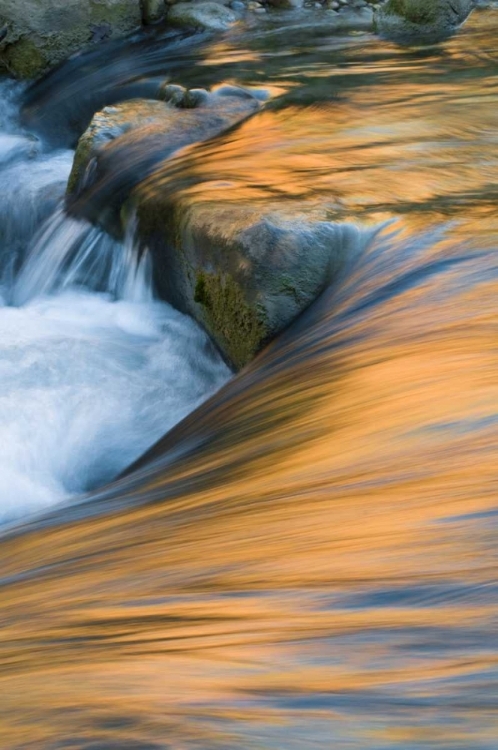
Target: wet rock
<point x="427" y="20"/>
<point x="286" y="3"/>
<point x="204" y="15"/>
<point x="357" y="17"/>
<point x="37" y="35"/>
<point x="111" y="123"/>
<point x="125" y="142"/>
<point x="153" y="10"/>
<point x="243" y="271"/>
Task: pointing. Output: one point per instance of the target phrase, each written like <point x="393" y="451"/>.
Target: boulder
<point x="112" y="123"/>
<point x="38" y="35"/>
<point x="211" y="16"/>
<point x="427" y="20"/>
<point x="125" y="142"/>
<point x="243" y="268"/>
<point x="243" y="271"/>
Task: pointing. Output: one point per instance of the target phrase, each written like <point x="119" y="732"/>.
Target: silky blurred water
<point x="309" y="559"/>
<point x="86" y="351"/>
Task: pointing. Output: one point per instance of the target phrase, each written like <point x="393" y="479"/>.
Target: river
<point x="302" y="555"/>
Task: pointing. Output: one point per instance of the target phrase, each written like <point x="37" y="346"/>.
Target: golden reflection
<point x="309" y="560"/>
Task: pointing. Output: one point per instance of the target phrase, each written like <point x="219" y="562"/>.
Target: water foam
<point x="93" y="369"/>
<point x="87" y="384"/>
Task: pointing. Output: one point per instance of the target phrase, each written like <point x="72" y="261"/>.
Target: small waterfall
<point x="93" y="368"/>
<point x="69" y="252"/>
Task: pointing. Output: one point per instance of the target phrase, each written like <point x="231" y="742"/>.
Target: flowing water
<point x="87" y="352"/>
<point x="308" y="560"/>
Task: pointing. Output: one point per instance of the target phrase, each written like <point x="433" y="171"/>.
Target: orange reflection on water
<point x="309" y="560"/>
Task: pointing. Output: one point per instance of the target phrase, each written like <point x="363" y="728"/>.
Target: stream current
<point x="308" y="559"/>
<point x="87" y="352"/>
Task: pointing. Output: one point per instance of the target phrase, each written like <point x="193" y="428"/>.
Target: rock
<point x="125" y="142"/>
<point x="172" y="93"/>
<point x="286" y="3"/>
<point x="41" y="34"/>
<point x="243" y="271"/>
<point x="353" y="18"/>
<point x="111" y="123"/>
<point x="153" y="10"/>
<point x="427" y="20"/>
<point x="204" y="15"/>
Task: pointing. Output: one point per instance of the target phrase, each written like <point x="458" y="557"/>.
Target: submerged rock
<point x="428" y="20"/>
<point x="38" y="35"/>
<point x="111" y="123"/>
<point x="204" y="15"/>
<point x="124" y="142"/>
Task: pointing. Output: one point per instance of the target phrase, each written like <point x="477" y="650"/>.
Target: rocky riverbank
<point x="35" y="37"/>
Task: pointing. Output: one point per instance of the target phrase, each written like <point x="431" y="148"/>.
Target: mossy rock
<point x="40" y="35"/>
<point x="427" y="20"/>
<point x="245" y="272"/>
<point x="238" y="327"/>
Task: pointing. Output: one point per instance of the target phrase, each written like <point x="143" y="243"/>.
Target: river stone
<point x="286" y="3"/>
<point x="204" y="15"/>
<point x="184" y="117"/>
<point x="153" y="10"/>
<point x="111" y="123"/>
<point x="427" y="20"/>
<point x="40" y="34"/>
<point x="243" y="271"/>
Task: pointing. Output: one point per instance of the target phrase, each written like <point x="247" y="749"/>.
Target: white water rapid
<point x="93" y="369"/>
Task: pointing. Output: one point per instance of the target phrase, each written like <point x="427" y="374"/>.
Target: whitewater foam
<point x="93" y="369"/>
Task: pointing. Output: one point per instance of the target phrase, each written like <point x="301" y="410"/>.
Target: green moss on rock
<point x="42" y="33"/>
<point x="426" y="20"/>
<point x="415" y="11"/>
<point x="229" y="316"/>
<point x="80" y="163"/>
<point x="25" y="59"/>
